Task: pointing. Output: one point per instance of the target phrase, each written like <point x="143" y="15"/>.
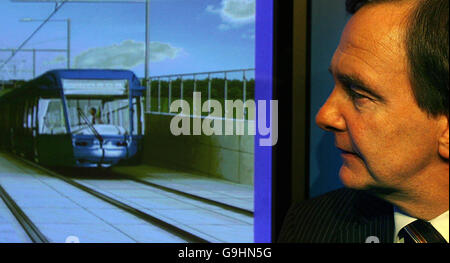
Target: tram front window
<point x="98" y="105"/>
<point x="109" y="116"/>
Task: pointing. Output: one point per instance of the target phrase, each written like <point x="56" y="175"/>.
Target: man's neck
<point x="425" y="198"/>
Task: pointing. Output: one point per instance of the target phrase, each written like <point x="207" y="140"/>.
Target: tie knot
<point x="421" y="231"/>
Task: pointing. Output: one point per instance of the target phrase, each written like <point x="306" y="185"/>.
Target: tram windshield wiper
<point x="91" y="126"/>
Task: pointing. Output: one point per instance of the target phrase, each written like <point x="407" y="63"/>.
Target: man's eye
<point x="357" y="98"/>
<point x="355" y="95"/>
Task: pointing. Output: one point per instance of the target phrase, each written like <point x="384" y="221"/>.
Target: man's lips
<point x="346" y="152"/>
<point x="345" y="149"/>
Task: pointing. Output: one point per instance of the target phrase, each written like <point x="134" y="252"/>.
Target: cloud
<point x="234" y="13"/>
<point x="127" y="54"/>
<point x="162" y="51"/>
<point x="57" y="60"/>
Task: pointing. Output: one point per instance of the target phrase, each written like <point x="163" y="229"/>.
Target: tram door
<point x="54" y="144"/>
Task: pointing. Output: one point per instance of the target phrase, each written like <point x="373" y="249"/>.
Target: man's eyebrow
<point x="355" y="83"/>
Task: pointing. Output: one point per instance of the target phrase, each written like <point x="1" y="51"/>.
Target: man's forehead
<point x="377" y="31"/>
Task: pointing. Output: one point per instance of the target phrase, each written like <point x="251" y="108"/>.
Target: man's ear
<point x="444" y="139"/>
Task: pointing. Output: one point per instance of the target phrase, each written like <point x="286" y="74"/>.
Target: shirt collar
<point x="441" y="223"/>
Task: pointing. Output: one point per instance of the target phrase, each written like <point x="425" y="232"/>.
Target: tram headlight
<point x="123" y="143"/>
<point x="81" y="144"/>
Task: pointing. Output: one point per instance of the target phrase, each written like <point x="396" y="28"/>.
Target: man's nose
<point x="329" y="117"/>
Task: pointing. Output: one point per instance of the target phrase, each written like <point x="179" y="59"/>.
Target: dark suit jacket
<point x="341" y="216"/>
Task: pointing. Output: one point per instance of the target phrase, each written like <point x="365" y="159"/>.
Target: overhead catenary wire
<point x="32" y="34"/>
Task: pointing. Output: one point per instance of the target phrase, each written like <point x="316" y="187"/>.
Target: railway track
<point x="173" y="226"/>
<point x="28" y="226"/>
<point x="191" y="196"/>
<point x="119" y="176"/>
<point x="37" y="236"/>
<point x="226" y="210"/>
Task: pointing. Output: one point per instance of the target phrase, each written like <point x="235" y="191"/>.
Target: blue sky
<point x="186" y="36"/>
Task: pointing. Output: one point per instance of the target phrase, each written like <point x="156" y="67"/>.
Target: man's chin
<point x="363" y="181"/>
<point x="353" y="179"/>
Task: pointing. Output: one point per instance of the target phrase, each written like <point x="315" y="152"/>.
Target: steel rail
<point x="201" y="73"/>
<point x="177" y="77"/>
<point x="233" y="208"/>
<point x="30" y="228"/>
<point x="134" y="211"/>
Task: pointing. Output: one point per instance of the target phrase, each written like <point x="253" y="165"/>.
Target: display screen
<point x="95" y="87"/>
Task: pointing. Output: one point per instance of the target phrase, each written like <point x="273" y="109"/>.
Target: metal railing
<point x="155" y="87"/>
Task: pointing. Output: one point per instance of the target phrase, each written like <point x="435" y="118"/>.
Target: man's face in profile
<point x="384" y="136"/>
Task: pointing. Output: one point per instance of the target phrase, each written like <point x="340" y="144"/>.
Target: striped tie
<point x="421" y="231"/>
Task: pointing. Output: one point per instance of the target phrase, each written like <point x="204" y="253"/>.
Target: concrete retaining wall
<point x="229" y="157"/>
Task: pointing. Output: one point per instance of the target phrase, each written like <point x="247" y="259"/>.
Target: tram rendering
<point x="75" y="118"/>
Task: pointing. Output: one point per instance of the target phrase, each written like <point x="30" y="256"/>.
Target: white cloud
<point x="234" y="13"/>
<point x="127" y="54"/>
<point x="57" y="60"/>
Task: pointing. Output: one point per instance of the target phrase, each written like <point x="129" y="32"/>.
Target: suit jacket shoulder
<point x="340" y="216"/>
